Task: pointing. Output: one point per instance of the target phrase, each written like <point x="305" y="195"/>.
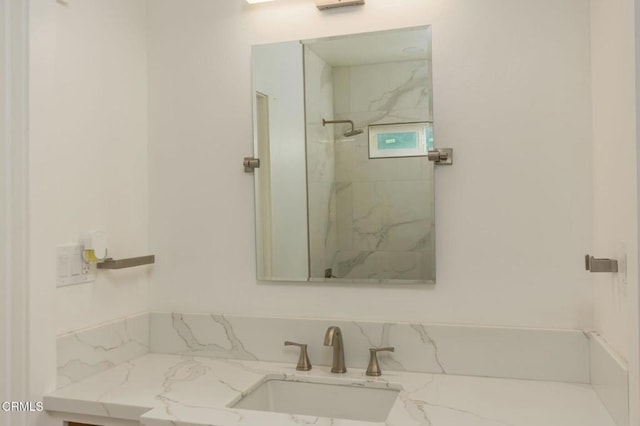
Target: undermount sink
<point x="352" y="402"/>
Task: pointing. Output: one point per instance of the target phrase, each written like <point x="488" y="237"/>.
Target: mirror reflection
<point x="344" y="191"/>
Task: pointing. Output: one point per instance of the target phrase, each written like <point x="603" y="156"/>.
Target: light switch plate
<point x="72" y="269"/>
<point x="329" y="4"/>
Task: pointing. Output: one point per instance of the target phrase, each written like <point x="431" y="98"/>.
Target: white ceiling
<point x="373" y="48"/>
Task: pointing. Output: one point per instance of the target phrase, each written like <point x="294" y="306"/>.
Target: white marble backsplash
<point x="610" y="379"/>
<point x="539" y="354"/>
<point x="83" y="353"/>
<point x="557" y="355"/>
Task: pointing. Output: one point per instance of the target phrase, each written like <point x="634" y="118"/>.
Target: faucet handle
<point x="374" y="369"/>
<point x="303" y="362"/>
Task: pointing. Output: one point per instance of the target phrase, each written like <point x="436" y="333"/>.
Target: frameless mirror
<point x="342" y="127"/>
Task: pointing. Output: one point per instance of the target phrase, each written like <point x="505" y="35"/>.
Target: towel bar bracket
<point x="600" y="265"/>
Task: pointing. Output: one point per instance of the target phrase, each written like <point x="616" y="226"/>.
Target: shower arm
<point x="325" y="122"/>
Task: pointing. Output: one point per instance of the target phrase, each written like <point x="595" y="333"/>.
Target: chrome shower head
<point x="347" y="133"/>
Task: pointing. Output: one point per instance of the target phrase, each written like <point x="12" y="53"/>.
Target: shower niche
<point x="345" y="188"/>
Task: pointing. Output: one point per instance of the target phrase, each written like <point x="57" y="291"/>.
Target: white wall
<point x="511" y="84"/>
<point x="615" y="178"/>
<point x="88" y="163"/>
<point x="614" y="165"/>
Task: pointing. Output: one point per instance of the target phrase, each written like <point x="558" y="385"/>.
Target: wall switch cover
<point x="72" y="269"/>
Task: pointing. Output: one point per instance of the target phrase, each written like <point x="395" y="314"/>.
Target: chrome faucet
<point x="333" y="337"/>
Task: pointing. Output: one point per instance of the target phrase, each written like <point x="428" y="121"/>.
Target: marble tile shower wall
<point x="320" y="163"/>
<point x="384" y="219"/>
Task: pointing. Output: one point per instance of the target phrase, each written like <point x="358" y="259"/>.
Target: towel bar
<point x="127" y="263"/>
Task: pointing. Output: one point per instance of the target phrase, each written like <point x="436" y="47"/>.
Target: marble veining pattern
<point x="229" y="347"/>
<point x="175" y="390"/>
<point x="355" y="227"/>
<point x="416" y="89"/>
<point x="83" y="353"/>
<point x="560" y="355"/>
<point x="424" y="336"/>
<point x="385" y="219"/>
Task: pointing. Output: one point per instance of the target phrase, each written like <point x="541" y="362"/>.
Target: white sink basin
<point x="321" y="400"/>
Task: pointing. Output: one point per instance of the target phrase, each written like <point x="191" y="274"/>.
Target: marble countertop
<point x="178" y="390"/>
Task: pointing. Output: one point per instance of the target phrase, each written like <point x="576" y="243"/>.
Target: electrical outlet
<point x="72" y="269"/>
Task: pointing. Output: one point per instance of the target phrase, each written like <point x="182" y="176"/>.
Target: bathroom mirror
<point x="342" y="126"/>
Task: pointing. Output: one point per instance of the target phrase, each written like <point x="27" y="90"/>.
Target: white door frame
<point x="14" y="312"/>
<point x="634" y="356"/>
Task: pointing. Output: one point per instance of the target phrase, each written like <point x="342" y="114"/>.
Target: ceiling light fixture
<point x="330" y="4"/>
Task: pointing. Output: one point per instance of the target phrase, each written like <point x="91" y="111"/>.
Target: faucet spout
<point x="333" y="337"/>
